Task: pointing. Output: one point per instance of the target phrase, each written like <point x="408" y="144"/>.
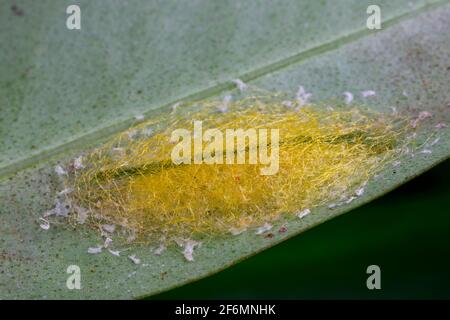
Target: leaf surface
<point x="62" y="91"/>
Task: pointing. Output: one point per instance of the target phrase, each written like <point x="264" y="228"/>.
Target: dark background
<point x="405" y="232"/>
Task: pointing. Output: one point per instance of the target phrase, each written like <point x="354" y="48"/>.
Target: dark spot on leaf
<point x="282" y="230"/>
<point x="17" y="11"/>
<point x="268" y="236"/>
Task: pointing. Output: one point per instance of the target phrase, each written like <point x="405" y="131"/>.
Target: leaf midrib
<point x="95" y="136"/>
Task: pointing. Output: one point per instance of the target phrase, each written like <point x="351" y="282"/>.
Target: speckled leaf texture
<point x="62" y="91"/>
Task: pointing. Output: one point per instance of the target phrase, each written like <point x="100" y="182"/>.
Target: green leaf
<point x="62" y="91"/>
